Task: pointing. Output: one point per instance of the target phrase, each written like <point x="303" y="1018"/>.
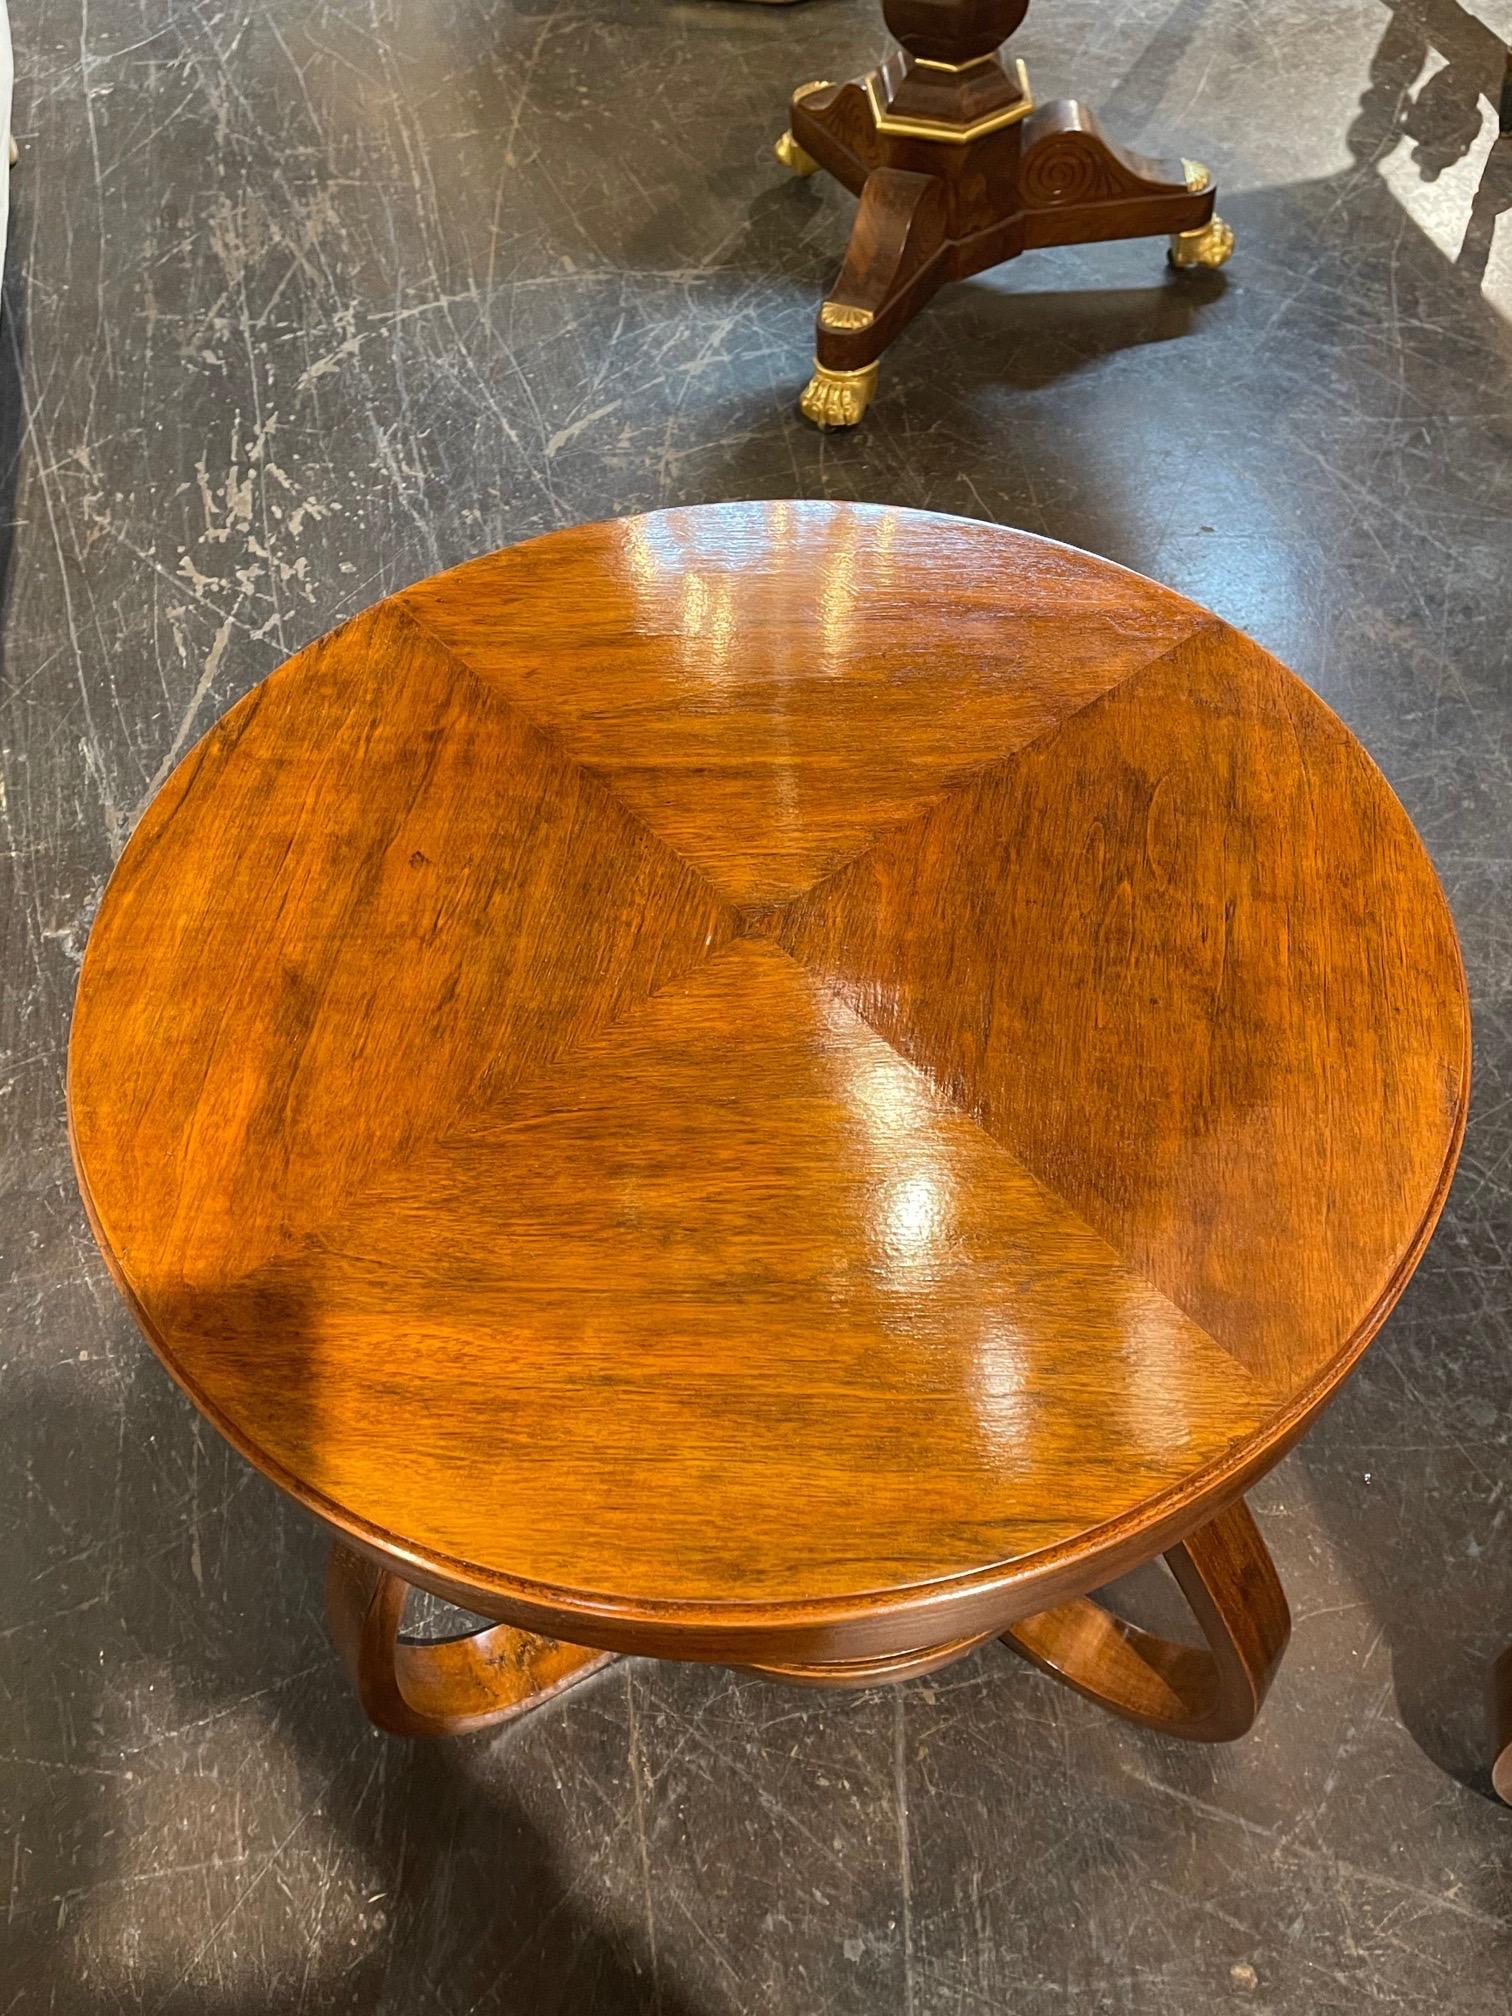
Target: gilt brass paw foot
<point x="837" y="398"/>
<point x="1211" y="247"/>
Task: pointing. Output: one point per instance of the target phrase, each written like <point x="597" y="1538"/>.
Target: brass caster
<point x="837" y="398"/>
<point x="793" y="157"/>
<point x="1212" y="247"/>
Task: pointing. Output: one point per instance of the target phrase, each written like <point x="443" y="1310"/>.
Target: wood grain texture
<point x="726" y="671"/>
<point x="735" y="1242"/>
<point x="1210" y="1695"/>
<point x="331" y="917"/>
<point x="441" y="1687"/>
<point x="1237" y="979"/>
<point x="634" y="1246"/>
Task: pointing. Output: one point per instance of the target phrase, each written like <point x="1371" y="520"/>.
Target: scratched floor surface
<point x="311" y="297"/>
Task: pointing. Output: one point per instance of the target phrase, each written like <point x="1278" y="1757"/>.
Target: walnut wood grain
<point x="731" y="668"/>
<point x="352" y="805"/>
<point x="1246" y="979"/>
<point x="443" y="1687"/>
<point x="739" y="1242"/>
<point x="1212" y="1696"/>
<point x="787" y="1084"/>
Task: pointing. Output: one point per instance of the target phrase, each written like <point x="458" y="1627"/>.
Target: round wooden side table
<point x="792" y="1085"/>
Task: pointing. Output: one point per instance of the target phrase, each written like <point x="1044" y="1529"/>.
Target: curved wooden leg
<point x="448" y="1686"/>
<point x="894" y="262"/>
<point x="1212" y="1696"/>
<point x="1501" y="1726"/>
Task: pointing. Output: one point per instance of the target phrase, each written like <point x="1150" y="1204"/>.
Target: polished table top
<point x="774" y="1061"/>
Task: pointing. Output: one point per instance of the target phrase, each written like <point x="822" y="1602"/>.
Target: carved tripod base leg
<point x="1209" y="1696"/>
<point x="445" y="1687"/>
<point x="958" y="170"/>
<point x="895" y="261"/>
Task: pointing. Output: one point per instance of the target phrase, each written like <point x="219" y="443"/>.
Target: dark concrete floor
<point x="311" y="297"/>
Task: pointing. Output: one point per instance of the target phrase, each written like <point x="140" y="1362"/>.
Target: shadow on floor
<point x="1444" y="120"/>
<point x="438" y="1844"/>
<point x="1406" y="1474"/>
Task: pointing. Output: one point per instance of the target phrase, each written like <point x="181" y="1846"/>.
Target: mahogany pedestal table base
<point x="791" y="1085"/>
<point x="958" y="169"/>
